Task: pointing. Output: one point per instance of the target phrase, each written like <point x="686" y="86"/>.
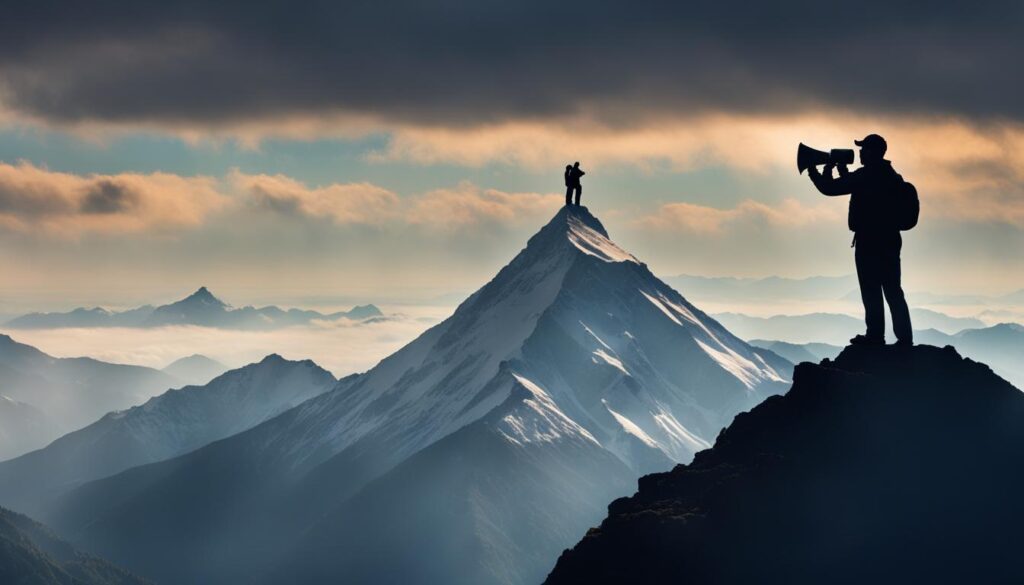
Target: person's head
<point x="567" y="167"/>
<point x="872" y="149"/>
<point x="576" y="165"/>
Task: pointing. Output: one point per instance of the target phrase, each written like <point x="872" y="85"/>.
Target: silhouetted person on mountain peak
<point x="568" y="185"/>
<point x="873" y="218"/>
<point x="572" y="183"/>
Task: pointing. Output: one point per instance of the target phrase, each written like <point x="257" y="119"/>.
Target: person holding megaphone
<point x="881" y="205"/>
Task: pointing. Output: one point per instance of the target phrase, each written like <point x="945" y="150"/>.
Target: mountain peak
<point x="884" y="465"/>
<point x="204" y="295"/>
<point x="584" y="232"/>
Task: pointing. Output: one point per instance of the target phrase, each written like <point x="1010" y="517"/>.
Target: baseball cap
<point x="873" y="141"/>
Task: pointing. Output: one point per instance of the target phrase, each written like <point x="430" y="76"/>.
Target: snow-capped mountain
<point x="575" y="366"/>
<point x="173" y="423"/>
<point x="200" y="308"/>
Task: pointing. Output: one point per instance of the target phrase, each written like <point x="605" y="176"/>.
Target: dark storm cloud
<point x="479" y="61"/>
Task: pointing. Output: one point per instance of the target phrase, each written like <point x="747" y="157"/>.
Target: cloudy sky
<point x="398" y="151"/>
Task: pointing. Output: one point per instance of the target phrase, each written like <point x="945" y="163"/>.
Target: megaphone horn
<point x="807" y="156"/>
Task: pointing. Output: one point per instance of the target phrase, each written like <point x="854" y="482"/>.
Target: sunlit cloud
<point x="463" y="206"/>
<point x="707" y="220"/>
<point x="64" y="204"/>
<point x="468" y="205"/>
<point x="351" y="203"/>
<point x="964" y="171"/>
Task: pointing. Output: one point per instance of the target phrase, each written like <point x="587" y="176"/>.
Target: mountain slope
<point x="615" y="352"/>
<point x="72" y="392"/>
<point x="419" y="521"/>
<point x="168" y="425"/>
<point x="22" y="428"/>
<point x="886" y="465"/>
<point x="201" y="308"/>
<point x="31" y="555"/>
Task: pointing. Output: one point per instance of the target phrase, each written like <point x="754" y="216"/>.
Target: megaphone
<point x="809" y="157"/>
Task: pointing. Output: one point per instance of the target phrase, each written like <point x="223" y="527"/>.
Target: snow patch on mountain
<point x="680" y="439"/>
<point x="589" y="241"/>
<point x="535" y="418"/>
<point x="631" y="428"/>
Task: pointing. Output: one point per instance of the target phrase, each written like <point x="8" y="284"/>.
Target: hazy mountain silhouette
<point x="200" y="308"/>
<point x="796" y="353"/>
<point x="32" y="555"/>
<point x="195" y="369"/>
<point x="887" y="465"/>
<point x="473" y="454"/>
<point x="168" y="425"/>
<point x="70" y="392"/>
<point x="23" y="427"/>
<point x="833" y="328"/>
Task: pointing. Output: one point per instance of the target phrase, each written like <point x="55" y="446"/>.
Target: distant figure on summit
<point x="881" y="204"/>
<point x="572" y="183"/>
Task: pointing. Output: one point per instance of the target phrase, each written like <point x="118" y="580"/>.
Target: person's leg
<point x="890" y="277"/>
<point x="568" y="195"/>
<point x="866" y="258"/>
<point x="579" y="191"/>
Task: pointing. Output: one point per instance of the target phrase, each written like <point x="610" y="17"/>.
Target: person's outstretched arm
<point x="828" y="185"/>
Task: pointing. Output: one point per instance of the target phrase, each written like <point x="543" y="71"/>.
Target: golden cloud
<point x="468" y="205"/>
<point x="706" y="220"/>
<point x="343" y="203"/>
<point x="34" y="198"/>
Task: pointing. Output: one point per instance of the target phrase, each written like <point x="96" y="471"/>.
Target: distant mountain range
<point x="886" y="465"/>
<point x="797" y="353"/>
<point x="168" y="425"/>
<point x="200" y="308"/>
<point x="815" y="288"/>
<point x="832" y="328"/>
<point x="1000" y="346"/>
<point x="30" y="554"/>
<point x="60" y="395"/>
<point x="473" y="455"/>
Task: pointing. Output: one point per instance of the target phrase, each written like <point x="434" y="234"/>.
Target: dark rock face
<point x="887" y="465"/>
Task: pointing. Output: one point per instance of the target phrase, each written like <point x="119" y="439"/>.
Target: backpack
<point x="908" y="206"/>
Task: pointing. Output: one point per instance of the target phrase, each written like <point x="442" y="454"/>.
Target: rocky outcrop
<point x="886" y="465"/>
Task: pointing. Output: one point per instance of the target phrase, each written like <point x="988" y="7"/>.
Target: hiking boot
<point x="904" y="343"/>
<point x="865" y="340"/>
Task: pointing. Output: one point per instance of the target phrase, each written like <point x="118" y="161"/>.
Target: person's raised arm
<point x="828" y="185"/>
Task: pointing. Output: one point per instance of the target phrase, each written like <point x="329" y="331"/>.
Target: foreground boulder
<point x="886" y="465"/>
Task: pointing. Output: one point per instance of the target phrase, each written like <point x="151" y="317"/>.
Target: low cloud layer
<point x="196" y="63"/>
<point x="342" y="348"/>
